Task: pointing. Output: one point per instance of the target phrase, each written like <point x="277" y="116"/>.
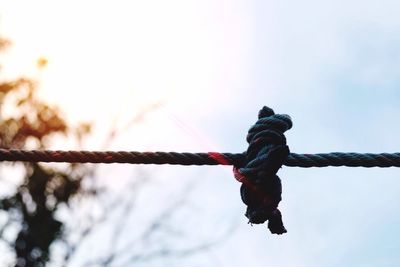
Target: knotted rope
<point x="335" y="159"/>
<point x="256" y="168"/>
<point x="261" y="188"/>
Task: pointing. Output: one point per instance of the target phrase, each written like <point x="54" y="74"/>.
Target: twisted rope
<point x="256" y="169"/>
<point x="261" y="188"/>
<point x="335" y="159"/>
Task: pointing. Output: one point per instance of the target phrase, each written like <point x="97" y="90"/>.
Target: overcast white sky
<point x="332" y="65"/>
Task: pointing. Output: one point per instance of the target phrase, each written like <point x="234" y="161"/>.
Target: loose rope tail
<point x="261" y="188"/>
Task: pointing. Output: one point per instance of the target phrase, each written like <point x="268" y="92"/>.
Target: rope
<point x="335" y="159"/>
<point x="256" y="169"/>
<point x="261" y="188"/>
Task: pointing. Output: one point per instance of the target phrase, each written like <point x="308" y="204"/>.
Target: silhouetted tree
<point x="31" y="208"/>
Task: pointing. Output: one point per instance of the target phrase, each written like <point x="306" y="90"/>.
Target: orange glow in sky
<point x="109" y="59"/>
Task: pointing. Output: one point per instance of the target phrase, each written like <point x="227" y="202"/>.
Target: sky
<point x="209" y="66"/>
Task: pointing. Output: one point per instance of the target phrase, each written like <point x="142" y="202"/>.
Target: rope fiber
<point x="335" y="159"/>
<point x="256" y="169"/>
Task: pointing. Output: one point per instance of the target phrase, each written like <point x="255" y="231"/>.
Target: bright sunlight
<point x="107" y="63"/>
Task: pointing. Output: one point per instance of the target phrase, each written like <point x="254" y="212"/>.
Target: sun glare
<point x="103" y="59"/>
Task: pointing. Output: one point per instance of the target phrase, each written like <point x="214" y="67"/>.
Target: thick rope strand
<point x="211" y="158"/>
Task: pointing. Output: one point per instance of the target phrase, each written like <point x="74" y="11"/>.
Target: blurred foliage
<point x="26" y="121"/>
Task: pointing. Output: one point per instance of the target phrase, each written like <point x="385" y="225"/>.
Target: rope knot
<point x="261" y="188"/>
